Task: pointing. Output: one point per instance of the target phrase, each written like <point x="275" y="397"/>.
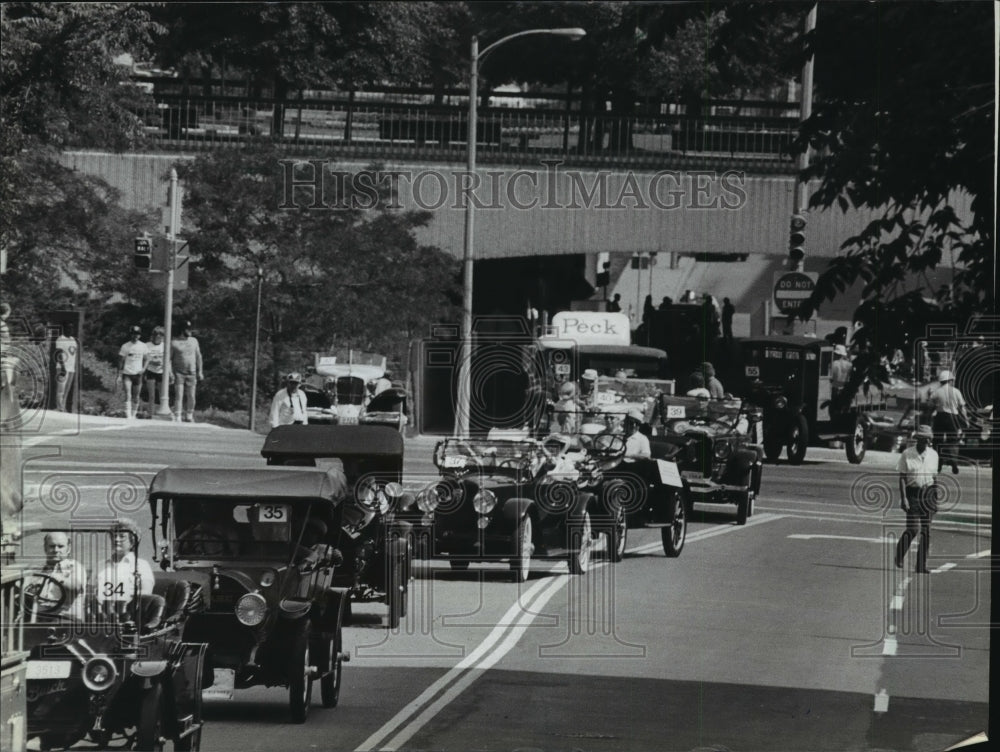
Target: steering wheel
<point x="43" y="593"/>
<point x="607" y="445"/>
<point x="205" y="541"/>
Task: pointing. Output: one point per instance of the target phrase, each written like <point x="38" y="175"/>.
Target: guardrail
<point x="382" y="130"/>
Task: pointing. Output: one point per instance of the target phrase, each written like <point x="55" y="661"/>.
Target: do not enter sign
<point x="791" y="288"/>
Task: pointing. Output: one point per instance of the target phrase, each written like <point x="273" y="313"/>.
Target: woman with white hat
<point x="840" y="374"/>
<point x="949" y="417"/>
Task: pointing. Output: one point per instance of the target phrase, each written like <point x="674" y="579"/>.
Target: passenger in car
<point x="125" y="576"/>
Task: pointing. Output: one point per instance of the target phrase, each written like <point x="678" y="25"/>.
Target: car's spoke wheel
<point x="329" y="685"/>
<point x="149" y="733"/>
<point x="674" y="535"/>
<point x="580" y="543"/>
<point x="798" y="440"/>
<point x="618" y="535"/>
<point x="520" y="563"/>
<point x="856" y="444"/>
<point x="300" y="676"/>
<point x="395" y="587"/>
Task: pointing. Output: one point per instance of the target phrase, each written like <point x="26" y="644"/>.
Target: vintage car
<point x="108" y="674"/>
<point x="262" y="547"/>
<point x="788" y="377"/>
<point x="712" y="443"/>
<point x="375" y="536"/>
<point x="344" y="378"/>
<point x="512" y="498"/>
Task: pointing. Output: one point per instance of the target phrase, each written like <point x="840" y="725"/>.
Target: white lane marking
<point x="943" y="568"/>
<point x="48" y="465"/>
<point x="979" y="555"/>
<point x="523" y="604"/>
<point x="889" y="646"/>
<point x="801" y="536"/>
<point x="464" y="673"/>
<point x="881" y="701"/>
<point x="897" y="603"/>
<point x="470" y="676"/>
<point x="758" y="519"/>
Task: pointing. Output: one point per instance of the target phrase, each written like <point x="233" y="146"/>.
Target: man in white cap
<point x="132" y="359"/>
<point x="566" y="413"/>
<point x="636" y="442"/>
<point x="917" y="468"/>
<point x="949" y="417"/>
<point x="840" y="373"/>
<point x="588" y="389"/>
<point x="289" y="404"/>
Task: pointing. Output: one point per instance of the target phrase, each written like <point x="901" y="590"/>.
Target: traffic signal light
<point x="797" y="242"/>
<point x="143" y="254"/>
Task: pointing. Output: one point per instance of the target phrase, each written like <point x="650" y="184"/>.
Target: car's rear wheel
<point x="580" y="545"/>
<point x="300" y="677"/>
<point x="856" y="446"/>
<point x="394" y="588"/>
<point x="674" y="535"/>
<point x="329" y="684"/>
<point x="618" y="535"/>
<point x="798" y="440"/>
<point x="520" y="563"/>
<point x="149" y="733"/>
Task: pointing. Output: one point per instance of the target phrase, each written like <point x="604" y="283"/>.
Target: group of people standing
<point x="143" y="363"/>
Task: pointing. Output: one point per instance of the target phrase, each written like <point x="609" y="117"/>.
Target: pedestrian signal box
<point x="143" y="253"/>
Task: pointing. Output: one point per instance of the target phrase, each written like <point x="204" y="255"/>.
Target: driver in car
<point x="125" y="576"/>
<point x="636" y="442"/>
<point x="69" y="576"/>
<point x="213" y="534"/>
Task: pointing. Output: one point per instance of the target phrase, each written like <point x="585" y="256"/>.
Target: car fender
<point x="292" y="609"/>
<point x="514" y="510"/>
<point x="148" y="669"/>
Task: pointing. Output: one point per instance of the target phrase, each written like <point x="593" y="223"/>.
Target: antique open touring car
<point x="788" y="377"/>
<point x="711" y="442"/>
<point x="261" y="546"/>
<point x="512" y="498"/>
<point x="108" y="673"/>
<point x="375" y="538"/>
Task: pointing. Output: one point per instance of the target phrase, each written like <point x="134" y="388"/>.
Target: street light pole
<point x="256" y="352"/>
<point x="463" y="408"/>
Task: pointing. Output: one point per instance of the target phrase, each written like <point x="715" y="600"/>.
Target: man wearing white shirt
<point x="289" y="404"/>
<point x="636" y="442"/>
<point x="125" y="576"/>
<point x="917" y="468"/>
<point x="132" y="359"/>
<point x="70" y="575"/>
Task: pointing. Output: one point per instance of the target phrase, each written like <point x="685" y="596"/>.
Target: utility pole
<point x="168" y="305"/>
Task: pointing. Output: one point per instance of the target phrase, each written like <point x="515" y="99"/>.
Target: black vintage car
<point x="261" y="545"/>
<point x="375" y="537"/>
<point x="108" y="674"/>
<point x="516" y="498"/>
<point x="711" y="441"/>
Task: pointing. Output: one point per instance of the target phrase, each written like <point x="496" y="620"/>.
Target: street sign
<point x="791" y="288"/>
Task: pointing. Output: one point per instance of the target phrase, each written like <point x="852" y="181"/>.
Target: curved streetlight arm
<point x="574" y="34"/>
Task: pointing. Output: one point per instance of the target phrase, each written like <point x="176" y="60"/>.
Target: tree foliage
<point x="333" y="276"/>
<point x="903" y="124"/>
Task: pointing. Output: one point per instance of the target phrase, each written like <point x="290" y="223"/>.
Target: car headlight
<point x="368" y="497"/>
<point x="251" y="609"/>
<point x="99" y="673"/>
<point x="722" y="450"/>
<point x="267" y="579"/>
<point x="484" y="501"/>
<point x="781" y="402"/>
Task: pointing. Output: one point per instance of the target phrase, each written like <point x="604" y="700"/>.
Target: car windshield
<point x="219" y="529"/>
<point x="774" y="364"/>
<point x="487" y="454"/>
<point x="681" y="414"/>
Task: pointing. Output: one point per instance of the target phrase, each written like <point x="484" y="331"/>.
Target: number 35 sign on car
<point x="791" y="288"/>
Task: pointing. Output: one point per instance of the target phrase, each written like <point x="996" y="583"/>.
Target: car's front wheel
<point x="856" y="444"/>
<point x="580" y="545"/>
<point x="772" y="444"/>
<point x="329" y="684"/>
<point x="744" y="507"/>
<point x="149" y="733"/>
<point x="300" y="677"/>
<point x="798" y="440"/>
<point x="520" y="563"/>
<point x="618" y="535"/>
<point x="674" y="535"/>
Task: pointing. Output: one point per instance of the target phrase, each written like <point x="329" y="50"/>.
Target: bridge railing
<point x="393" y="130"/>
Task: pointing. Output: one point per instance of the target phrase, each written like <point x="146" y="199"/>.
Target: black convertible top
<point x="288" y="484"/>
<point x="333" y="441"/>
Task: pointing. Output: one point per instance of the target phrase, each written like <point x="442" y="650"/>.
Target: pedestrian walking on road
<point x="917" y="468"/>
<point x="186" y="367"/>
<point x="949" y="418"/>
<point x="289" y="404"/>
<point x="132" y="359"/>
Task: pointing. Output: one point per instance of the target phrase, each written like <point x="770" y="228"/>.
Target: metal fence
<point x="363" y="128"/>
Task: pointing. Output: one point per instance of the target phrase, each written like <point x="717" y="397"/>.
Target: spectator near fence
<point x="186" y="366"/>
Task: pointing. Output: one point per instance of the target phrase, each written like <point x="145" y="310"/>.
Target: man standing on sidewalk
<point x="132" y="358"/>
<point x="949" y="418"/>
<point x="289" y="403"/>
<point x="917" y="468"/>
<point x="185" y="362"/>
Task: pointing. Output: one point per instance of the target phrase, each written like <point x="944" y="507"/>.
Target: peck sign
<point x="591" y="327"/>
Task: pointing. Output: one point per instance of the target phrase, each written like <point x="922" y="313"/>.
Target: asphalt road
<point x="794" y="632"/>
